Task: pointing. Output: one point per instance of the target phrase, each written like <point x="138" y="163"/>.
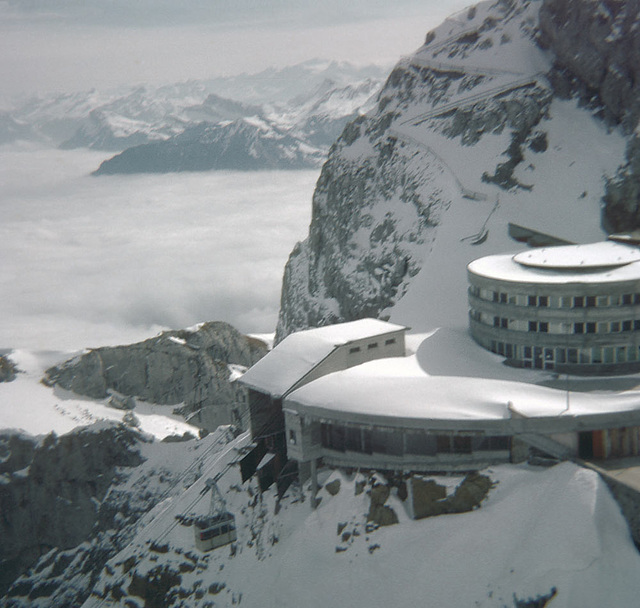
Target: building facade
<point x="300" y="359"/>
<point x="573" y="309"/>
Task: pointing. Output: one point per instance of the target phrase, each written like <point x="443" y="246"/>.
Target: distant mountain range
<point x="285" y="119"/>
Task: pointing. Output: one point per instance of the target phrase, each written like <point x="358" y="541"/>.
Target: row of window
<point x="604" y="301"/>
<point x="547" y="358"/>
<point x="217" y="531"/>
<point x="396" y="442"/>
<point x="580" y="327"/>
<point x="371" y="346"/>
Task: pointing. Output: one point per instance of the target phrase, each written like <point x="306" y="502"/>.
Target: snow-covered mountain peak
<point x="123" y="117"/>
<point x="480" y="38"/>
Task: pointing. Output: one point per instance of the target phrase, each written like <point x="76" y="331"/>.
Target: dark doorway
<point x="585" y="444"/>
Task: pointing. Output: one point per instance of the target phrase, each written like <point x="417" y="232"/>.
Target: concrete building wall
<point x="266" y="414"/>
<point x="569" y="440"/>
<point x="357" y="352"/>
<point x="574" y="327"/>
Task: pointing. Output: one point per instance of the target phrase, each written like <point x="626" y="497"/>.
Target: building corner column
<point x="314" y="483"/>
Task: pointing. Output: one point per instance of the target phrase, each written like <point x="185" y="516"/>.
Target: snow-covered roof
<point x="593" y="255"/>
<point x="604" y="262"/>
<point x="291" y="360"/>
<point x="397" y="392"/>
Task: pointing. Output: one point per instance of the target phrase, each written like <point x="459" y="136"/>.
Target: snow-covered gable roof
<point x="299" y="353"/>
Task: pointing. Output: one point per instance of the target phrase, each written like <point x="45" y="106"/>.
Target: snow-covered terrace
<point x="452" y="384"/>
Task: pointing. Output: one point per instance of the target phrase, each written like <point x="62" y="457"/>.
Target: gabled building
<point x="349" y="395"/>
<point x="305" y="356"/>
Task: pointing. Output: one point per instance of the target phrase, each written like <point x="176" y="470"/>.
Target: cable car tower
<point x="218" y="528"/>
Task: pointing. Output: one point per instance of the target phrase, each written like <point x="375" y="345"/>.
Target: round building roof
<point x="605" y="254"/>
<point x="603" y="262"/>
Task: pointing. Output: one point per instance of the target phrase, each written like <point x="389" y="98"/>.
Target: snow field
<point x="537" y="529"/>
<point x="30" y="406"/>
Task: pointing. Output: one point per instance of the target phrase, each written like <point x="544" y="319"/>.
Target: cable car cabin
<point x="215" y="531"/>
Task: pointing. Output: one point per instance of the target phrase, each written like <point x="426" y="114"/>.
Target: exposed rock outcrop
<point x="379" y="512"/>
<point x="430" y="499"/>
<point x="52" y="491"/>
<point x="488" y="86"/>
<point x="189" y="367"/>
<point x="596" y="46"/>
<point x="385" y="188"/>
<point x="7" y="369"/>
<point x="79" y="500"/>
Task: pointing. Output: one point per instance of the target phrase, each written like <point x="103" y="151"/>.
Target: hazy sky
<point x="69" y="45"/>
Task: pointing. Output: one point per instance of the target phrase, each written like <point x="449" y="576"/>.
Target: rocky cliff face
<point x="52" y="491"/>
<point x="188" y="367"/>
<point x="596" y="49"/>
<point x="7" y="369"/>
<point x="476" y="114"/>
<point x="70" y="503"/>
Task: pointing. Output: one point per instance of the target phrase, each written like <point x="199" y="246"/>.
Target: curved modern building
<point x="573" y="308"/>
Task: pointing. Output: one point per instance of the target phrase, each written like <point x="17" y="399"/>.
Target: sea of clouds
<point x="88" y="261"/>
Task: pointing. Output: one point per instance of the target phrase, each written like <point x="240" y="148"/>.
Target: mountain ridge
<point x="468" y="135"/>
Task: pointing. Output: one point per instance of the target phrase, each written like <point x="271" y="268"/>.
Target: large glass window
<point x="443" y="443"/>
<point x="353" y="441"/>
<point x="418" y="442"/>
<point x="462" y="444"/>
<point x="387" y="441"/>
